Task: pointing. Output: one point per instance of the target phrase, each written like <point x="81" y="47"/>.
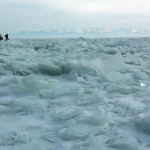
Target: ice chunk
<point x="33" y="82"/>
<point x="125" y="90"/>
<point x="81" y="68"/>
<point x="115" y="63"/>
<point x="111" y="50"/>
<point x="91" y="99"/>
<point x="124" y="142"/>
<point x="143" y="85"/>
<point x="65" y="113"/>
<point x="94" y="119"/>
<point x="50" y="69"/>
<point x="12" y="138"/>
<point x="145" y="124"/>
<point x="76" y="132"/>
<point x="114" y="77"/>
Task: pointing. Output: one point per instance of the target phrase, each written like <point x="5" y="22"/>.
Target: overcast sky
<point x="18" y="15"/>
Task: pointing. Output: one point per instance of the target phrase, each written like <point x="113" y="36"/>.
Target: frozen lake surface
<point x="75" y="94"/>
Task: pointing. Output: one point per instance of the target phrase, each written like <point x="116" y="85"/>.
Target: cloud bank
<point x="95" y="6"/>
<point x="31" y="14"/>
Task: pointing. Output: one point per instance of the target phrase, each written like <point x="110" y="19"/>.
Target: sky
<point x="20" y="15"/>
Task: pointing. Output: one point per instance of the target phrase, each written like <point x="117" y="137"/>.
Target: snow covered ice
<point x="75" y="94"/>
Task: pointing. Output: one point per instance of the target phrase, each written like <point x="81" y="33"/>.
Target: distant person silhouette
<point x="6" y="36"/>
<point x="1" y="38"/>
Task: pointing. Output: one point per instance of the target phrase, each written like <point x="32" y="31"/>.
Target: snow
<point x="75" y="94"/>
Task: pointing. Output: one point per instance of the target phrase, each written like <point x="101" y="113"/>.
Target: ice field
<point x="75" y="94"/>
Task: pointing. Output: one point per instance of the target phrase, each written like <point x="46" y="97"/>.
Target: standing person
<point x="6" y="36"/>
<point x="1" y="38"/>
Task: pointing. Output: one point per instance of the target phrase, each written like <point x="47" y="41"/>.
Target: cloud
<point x="97" y="6"/>
<point x="90" y="6"/>
<point x="140" y="7"/>
<point x="47" y="14"/>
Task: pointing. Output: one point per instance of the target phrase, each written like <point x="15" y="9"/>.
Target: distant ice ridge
<point x="75" y="94"/>
<point x="82" y="32"/>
